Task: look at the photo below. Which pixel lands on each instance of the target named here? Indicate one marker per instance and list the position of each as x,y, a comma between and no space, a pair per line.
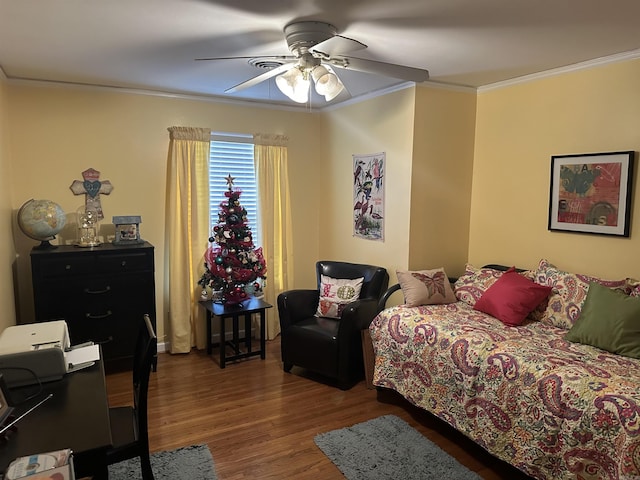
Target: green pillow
609,320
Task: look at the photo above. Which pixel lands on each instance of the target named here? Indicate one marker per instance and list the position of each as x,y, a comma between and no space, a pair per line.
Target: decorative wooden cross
92,187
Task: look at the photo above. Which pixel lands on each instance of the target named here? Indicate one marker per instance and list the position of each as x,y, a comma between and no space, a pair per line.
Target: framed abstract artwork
591,193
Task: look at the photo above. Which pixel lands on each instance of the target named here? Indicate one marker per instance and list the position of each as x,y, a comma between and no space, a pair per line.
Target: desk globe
41,220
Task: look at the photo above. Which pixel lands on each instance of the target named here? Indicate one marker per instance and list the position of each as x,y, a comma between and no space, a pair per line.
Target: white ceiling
152,44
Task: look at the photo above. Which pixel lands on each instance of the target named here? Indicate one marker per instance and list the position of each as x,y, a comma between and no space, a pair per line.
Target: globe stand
45,245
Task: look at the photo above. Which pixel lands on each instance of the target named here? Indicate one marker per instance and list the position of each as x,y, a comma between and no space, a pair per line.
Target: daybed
538,395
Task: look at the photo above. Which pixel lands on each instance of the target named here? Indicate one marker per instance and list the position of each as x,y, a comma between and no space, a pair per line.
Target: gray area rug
187,463
389,448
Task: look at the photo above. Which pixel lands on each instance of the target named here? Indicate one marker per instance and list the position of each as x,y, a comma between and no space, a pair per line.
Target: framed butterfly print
591,193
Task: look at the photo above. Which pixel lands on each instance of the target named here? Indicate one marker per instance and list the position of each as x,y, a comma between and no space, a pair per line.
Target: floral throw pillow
474,282
336,294
425,287
569,291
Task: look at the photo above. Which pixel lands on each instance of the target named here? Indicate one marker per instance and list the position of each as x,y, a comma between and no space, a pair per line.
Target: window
232,154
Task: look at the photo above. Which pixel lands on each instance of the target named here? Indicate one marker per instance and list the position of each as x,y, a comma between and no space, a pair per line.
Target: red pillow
511,298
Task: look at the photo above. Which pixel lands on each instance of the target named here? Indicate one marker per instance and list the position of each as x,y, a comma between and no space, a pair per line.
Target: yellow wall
519,128
383,124
7,251
467,176
56,133
441,179
427,134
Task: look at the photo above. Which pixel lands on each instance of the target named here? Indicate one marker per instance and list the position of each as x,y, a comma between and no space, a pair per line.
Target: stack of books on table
57,465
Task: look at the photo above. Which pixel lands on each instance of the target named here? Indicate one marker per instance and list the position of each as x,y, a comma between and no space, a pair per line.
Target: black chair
129,423
330,347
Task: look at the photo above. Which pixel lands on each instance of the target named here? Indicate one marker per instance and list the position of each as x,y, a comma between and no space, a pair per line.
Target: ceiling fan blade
337,45
273,57
402,72
261,78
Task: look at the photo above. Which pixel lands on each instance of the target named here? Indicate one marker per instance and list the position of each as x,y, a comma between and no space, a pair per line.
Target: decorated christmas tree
234,269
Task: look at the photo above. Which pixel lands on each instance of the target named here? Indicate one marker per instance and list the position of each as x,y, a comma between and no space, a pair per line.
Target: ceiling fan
315,48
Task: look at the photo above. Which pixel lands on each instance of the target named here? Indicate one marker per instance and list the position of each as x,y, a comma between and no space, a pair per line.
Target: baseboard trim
164,347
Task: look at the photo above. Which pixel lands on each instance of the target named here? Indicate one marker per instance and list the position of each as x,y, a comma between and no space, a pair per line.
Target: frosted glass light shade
294,85
327,83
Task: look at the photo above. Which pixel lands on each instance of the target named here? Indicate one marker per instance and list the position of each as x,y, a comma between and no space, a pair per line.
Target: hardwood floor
259,422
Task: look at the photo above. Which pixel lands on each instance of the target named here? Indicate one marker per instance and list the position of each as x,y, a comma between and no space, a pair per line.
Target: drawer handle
94,316
97,292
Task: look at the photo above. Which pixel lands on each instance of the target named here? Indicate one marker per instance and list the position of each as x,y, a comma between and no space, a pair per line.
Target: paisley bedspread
552,408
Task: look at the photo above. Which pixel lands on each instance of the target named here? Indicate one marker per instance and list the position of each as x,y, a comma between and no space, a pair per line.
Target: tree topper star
230,180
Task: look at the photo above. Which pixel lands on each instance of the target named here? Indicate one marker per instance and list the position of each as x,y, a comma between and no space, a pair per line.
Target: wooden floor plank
259,422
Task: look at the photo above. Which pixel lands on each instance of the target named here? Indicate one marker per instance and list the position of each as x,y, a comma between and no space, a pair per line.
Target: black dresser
102,293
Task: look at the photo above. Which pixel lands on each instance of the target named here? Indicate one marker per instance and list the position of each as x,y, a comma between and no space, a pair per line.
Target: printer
34,352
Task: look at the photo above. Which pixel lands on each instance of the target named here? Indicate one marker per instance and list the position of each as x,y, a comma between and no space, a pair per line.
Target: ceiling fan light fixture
327,83
294,85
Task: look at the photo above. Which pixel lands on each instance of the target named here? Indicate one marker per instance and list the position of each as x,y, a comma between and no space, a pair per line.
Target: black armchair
330,347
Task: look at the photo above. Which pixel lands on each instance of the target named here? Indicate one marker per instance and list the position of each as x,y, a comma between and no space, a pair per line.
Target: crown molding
207,98
597,62
152,93
621,57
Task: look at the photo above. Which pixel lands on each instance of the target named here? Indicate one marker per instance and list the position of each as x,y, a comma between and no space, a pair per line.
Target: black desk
76,417
247,308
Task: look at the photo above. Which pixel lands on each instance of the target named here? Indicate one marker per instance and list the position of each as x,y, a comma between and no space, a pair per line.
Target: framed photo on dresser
127,230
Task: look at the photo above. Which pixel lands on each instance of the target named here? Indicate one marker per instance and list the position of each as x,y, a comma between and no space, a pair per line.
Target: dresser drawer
64,266
126,262
94,296
117,333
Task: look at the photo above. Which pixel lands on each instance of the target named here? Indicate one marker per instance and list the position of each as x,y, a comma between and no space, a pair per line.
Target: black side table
246,308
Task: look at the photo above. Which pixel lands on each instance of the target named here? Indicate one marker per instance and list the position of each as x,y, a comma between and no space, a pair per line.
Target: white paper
81,357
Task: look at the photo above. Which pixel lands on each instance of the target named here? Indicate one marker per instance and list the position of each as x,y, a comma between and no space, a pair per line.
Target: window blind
232,154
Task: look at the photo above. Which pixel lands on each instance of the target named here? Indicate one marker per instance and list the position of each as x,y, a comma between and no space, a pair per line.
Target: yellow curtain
270,158
187,233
